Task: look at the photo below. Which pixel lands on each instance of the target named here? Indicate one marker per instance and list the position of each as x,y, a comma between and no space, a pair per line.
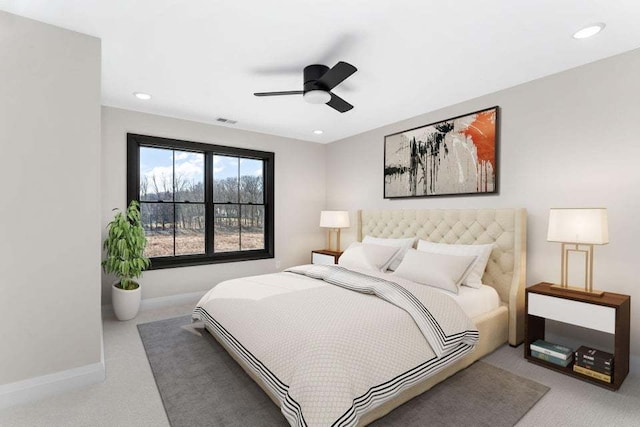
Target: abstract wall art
456,156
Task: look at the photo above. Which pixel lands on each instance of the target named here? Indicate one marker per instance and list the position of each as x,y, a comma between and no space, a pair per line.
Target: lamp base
593,292
331,248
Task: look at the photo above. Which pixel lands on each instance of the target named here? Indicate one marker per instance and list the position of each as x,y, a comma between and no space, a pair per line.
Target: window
201,203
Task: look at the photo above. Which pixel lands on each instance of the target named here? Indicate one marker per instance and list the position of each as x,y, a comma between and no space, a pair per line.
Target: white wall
567,140
50,318
299,196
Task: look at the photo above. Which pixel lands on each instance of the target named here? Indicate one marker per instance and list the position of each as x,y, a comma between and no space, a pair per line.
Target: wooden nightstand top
327,252
609,299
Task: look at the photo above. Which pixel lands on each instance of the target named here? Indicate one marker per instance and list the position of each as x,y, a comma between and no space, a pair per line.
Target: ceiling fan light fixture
317,97
319,80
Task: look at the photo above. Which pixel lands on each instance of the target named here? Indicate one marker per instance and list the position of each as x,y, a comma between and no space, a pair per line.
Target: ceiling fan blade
337,74
273,71
339,48
339,104
290,92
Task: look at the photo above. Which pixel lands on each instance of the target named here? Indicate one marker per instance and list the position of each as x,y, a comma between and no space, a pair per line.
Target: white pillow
404,244
482,252
367,256
439,270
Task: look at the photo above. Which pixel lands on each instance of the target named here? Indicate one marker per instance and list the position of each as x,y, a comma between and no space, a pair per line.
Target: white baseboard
59,382
36,388
161,302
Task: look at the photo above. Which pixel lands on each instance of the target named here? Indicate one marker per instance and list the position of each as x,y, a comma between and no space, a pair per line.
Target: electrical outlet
278,264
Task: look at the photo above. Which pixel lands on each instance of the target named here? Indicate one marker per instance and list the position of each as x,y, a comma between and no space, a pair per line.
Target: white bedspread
473,301
328,353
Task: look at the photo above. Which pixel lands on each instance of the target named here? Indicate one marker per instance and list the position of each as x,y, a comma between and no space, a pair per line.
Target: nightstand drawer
590,316
317,258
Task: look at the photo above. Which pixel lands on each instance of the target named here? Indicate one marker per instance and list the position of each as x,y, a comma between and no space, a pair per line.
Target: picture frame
452,157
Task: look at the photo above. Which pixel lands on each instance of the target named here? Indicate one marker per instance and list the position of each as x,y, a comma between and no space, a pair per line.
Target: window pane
157,220
225,179
189,229
189,176
226,229
251,181
252,225
156,174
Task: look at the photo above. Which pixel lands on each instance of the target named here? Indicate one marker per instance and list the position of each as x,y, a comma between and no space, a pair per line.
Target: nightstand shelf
325,256
609,313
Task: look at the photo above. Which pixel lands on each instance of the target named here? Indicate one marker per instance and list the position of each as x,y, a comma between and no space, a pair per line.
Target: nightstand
324,256
609,313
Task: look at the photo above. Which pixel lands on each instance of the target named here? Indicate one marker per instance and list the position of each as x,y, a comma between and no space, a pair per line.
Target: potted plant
124,245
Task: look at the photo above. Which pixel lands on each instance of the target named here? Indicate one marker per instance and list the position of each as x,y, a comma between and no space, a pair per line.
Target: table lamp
578,229
334,221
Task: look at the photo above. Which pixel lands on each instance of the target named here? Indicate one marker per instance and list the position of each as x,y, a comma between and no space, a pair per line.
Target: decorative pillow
481,252
404,244
439,270
367,256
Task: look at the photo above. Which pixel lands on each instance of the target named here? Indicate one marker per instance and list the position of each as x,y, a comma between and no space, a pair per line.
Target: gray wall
299,196
50,317
567,140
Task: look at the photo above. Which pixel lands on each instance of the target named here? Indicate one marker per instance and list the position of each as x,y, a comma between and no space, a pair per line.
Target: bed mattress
476,302
332,345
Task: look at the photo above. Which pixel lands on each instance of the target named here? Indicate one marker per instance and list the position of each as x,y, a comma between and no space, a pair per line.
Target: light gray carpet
201,385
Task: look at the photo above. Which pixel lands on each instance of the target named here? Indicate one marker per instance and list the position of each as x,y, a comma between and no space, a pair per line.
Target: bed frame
505,272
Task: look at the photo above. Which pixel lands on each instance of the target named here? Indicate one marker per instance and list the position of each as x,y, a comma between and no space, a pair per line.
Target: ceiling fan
318,82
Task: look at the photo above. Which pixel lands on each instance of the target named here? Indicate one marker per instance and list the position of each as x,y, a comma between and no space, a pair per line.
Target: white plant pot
125,303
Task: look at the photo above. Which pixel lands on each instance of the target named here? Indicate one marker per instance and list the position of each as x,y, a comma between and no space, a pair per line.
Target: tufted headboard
506,227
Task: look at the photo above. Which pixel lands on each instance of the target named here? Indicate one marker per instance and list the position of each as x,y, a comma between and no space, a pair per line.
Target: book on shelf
552,359
555,350
594,355
596,366
591,373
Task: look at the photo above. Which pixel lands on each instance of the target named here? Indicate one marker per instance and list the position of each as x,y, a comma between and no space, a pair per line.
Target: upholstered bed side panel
493,333
505,227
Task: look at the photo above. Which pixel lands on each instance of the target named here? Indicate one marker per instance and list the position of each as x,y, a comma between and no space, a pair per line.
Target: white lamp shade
334,219
579,225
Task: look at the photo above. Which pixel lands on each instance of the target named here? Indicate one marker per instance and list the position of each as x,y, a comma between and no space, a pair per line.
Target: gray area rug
201,385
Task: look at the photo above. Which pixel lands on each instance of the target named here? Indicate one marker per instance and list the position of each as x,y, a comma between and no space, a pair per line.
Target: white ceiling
203,59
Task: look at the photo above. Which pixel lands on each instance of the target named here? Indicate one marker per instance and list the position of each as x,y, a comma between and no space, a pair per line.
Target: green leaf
124,246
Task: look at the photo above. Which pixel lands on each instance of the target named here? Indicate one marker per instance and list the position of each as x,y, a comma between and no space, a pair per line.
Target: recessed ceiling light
318,132
141,95
589,31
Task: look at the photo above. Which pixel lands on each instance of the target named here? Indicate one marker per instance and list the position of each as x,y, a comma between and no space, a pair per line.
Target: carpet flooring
200,384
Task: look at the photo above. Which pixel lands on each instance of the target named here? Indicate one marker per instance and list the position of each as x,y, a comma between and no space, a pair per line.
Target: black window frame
135,141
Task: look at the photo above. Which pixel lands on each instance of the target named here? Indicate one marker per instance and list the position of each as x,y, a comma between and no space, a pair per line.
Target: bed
275,326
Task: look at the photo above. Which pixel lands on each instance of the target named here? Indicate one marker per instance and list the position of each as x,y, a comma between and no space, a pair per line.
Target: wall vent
223,120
